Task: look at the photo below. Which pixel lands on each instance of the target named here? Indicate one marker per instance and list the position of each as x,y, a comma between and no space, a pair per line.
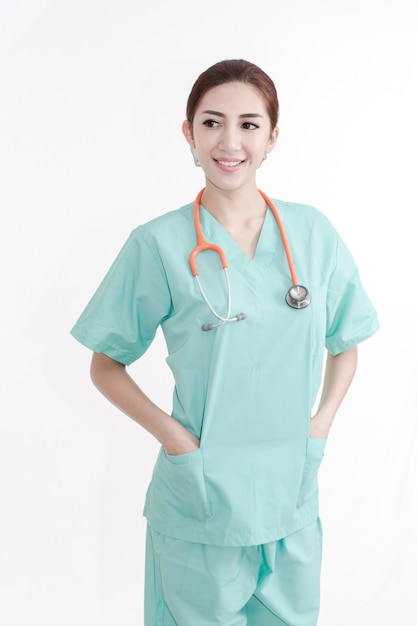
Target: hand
184,441
319,427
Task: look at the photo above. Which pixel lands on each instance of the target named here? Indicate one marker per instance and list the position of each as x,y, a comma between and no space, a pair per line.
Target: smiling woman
234,535
229,147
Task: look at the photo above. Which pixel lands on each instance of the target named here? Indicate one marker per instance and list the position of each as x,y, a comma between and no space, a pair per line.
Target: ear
187,130
272,140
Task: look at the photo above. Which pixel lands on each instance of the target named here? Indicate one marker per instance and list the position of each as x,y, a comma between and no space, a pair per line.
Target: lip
229,165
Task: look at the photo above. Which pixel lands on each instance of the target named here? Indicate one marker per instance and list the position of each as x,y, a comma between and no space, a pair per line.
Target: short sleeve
133,299
351,317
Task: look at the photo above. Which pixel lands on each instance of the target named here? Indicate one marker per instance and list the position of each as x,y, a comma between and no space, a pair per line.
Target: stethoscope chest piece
298,297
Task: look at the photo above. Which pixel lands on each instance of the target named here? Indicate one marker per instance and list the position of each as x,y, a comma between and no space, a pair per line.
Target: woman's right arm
112,380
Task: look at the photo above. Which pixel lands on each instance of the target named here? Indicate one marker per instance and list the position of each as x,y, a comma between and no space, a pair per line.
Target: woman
234,535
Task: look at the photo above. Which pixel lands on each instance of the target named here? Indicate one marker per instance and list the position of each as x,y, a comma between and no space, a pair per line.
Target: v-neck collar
253,269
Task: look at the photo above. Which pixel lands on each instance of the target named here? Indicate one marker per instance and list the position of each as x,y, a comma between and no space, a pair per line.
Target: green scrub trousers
195,584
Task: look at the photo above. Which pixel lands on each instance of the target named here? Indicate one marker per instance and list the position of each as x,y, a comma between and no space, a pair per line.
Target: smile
228,165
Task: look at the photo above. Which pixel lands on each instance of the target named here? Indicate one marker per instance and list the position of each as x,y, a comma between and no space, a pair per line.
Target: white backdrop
92,97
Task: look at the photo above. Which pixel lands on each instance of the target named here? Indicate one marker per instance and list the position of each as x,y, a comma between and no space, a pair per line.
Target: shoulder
306,212
168,225
161,233
305,220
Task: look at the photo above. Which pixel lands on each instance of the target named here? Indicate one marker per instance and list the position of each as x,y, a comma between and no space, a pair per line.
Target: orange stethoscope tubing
202,244
298,296
283,237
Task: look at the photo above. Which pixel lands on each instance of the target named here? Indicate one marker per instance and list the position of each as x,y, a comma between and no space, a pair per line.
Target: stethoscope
297,297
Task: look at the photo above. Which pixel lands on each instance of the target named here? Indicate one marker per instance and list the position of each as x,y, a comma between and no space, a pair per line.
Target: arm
112,380
340,370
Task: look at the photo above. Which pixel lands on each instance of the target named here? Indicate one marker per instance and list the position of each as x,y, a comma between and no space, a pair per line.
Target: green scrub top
245,389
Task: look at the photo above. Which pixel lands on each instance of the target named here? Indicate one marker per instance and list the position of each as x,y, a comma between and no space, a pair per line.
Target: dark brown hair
233,71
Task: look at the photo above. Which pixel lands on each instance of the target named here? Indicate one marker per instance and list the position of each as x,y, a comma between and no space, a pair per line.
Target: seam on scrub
269,610
158,591
346,345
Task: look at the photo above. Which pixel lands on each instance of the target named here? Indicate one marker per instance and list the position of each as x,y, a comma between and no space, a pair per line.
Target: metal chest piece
298,297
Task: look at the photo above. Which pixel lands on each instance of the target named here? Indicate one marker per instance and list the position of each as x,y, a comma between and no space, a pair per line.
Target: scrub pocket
178,485
309,481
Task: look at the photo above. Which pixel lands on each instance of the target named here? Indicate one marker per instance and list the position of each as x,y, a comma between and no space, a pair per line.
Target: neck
236,205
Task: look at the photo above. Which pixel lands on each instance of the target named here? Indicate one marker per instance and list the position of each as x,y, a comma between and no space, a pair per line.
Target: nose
230,139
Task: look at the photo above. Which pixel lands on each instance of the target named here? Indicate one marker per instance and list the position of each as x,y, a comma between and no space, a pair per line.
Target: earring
264,158
195,157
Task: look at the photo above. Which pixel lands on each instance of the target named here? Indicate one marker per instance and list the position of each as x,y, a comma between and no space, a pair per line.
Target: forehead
231,98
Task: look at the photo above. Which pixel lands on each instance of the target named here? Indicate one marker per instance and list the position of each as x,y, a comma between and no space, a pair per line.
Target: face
231,133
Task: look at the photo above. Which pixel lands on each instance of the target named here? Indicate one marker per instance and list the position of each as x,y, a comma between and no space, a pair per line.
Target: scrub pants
193,584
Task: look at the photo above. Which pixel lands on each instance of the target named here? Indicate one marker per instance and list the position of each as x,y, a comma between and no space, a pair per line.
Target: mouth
228,165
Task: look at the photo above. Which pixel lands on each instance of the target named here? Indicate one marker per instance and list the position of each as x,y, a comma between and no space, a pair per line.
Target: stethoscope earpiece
297,297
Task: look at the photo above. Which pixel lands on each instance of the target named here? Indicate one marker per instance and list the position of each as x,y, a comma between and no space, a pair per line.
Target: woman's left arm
340,370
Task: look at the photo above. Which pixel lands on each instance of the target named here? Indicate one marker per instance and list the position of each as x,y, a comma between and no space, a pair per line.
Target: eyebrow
219,114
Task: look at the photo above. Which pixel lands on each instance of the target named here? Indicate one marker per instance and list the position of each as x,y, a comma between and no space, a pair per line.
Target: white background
92,98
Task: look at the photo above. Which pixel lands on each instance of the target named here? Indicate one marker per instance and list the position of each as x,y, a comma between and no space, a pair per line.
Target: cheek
204,144
261,146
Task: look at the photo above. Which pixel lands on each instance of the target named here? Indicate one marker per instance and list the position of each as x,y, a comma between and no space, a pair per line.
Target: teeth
229,163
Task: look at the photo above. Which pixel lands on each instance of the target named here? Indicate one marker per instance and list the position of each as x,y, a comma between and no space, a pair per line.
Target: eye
211,123
249,126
